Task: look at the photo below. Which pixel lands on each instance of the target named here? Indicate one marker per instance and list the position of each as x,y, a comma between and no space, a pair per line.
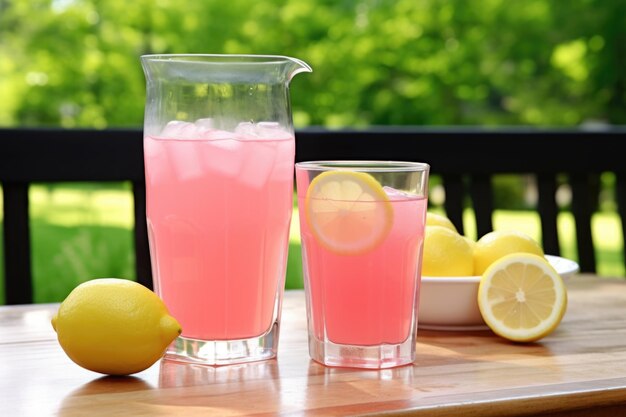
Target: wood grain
580,369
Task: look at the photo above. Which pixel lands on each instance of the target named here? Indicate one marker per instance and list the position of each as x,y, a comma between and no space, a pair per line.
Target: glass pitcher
219,160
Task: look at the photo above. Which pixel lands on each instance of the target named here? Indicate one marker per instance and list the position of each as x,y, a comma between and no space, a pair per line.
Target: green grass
83,231
63,256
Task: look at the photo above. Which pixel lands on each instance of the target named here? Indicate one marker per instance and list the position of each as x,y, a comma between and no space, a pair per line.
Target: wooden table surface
582,365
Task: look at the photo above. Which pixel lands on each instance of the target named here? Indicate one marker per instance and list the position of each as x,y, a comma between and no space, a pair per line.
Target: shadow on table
74,404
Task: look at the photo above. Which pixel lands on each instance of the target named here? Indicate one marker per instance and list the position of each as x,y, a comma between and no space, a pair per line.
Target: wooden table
579,367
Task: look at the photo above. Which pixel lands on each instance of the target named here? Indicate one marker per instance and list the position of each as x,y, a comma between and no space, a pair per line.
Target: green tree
376,62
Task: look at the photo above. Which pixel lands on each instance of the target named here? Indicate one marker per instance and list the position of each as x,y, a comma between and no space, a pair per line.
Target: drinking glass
219,158
362,229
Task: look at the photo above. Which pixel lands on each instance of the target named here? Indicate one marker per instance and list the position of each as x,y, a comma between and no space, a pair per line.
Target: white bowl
450,303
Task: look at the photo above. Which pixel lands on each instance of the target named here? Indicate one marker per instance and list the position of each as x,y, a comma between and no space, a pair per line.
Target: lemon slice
521,297
348,212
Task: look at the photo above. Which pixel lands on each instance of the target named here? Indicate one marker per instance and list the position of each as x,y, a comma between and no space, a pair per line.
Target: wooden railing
466,159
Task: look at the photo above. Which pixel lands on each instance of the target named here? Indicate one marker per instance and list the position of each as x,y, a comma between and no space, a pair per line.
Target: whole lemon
114,326
435,219
446,253
494,245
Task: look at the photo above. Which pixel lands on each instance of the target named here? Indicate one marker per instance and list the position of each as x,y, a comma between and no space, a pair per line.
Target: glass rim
363,165
218,57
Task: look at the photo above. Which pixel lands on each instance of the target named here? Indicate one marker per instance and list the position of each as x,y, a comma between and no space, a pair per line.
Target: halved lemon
348,212
521,297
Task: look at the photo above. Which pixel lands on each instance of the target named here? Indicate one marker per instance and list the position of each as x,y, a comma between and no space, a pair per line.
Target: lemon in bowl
498,243
449,302
436,219
446,253
114,326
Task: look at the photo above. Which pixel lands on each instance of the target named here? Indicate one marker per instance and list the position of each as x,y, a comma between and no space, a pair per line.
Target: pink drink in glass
362,228
367,299
219,208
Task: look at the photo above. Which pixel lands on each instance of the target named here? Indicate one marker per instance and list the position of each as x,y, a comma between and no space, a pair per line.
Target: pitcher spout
296,66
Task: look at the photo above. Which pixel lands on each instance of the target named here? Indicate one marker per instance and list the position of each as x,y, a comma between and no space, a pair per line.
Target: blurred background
488,63
75,63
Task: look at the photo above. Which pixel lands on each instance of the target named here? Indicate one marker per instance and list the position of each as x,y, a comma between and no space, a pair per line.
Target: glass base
224,352
369,357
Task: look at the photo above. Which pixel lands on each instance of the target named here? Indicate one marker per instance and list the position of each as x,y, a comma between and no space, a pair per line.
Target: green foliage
509,192
64,257
376,62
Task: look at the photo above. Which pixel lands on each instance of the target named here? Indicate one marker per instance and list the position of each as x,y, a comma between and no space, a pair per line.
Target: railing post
548,213
17,250
143,267
582,210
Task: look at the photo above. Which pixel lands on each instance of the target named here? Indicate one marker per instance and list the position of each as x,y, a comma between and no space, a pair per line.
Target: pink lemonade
368,298
219,208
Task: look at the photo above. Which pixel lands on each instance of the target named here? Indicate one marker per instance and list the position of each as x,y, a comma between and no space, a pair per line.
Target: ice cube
216,134
259,161
272,130
205,123
246,129
177,129
262,130
222,156
268,125
395,194
204,126
283,161
156,161
186,161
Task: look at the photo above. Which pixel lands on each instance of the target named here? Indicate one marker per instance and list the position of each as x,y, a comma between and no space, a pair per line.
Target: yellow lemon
521,297
348,212
494,245
114,326
446,253
435,219
470,242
